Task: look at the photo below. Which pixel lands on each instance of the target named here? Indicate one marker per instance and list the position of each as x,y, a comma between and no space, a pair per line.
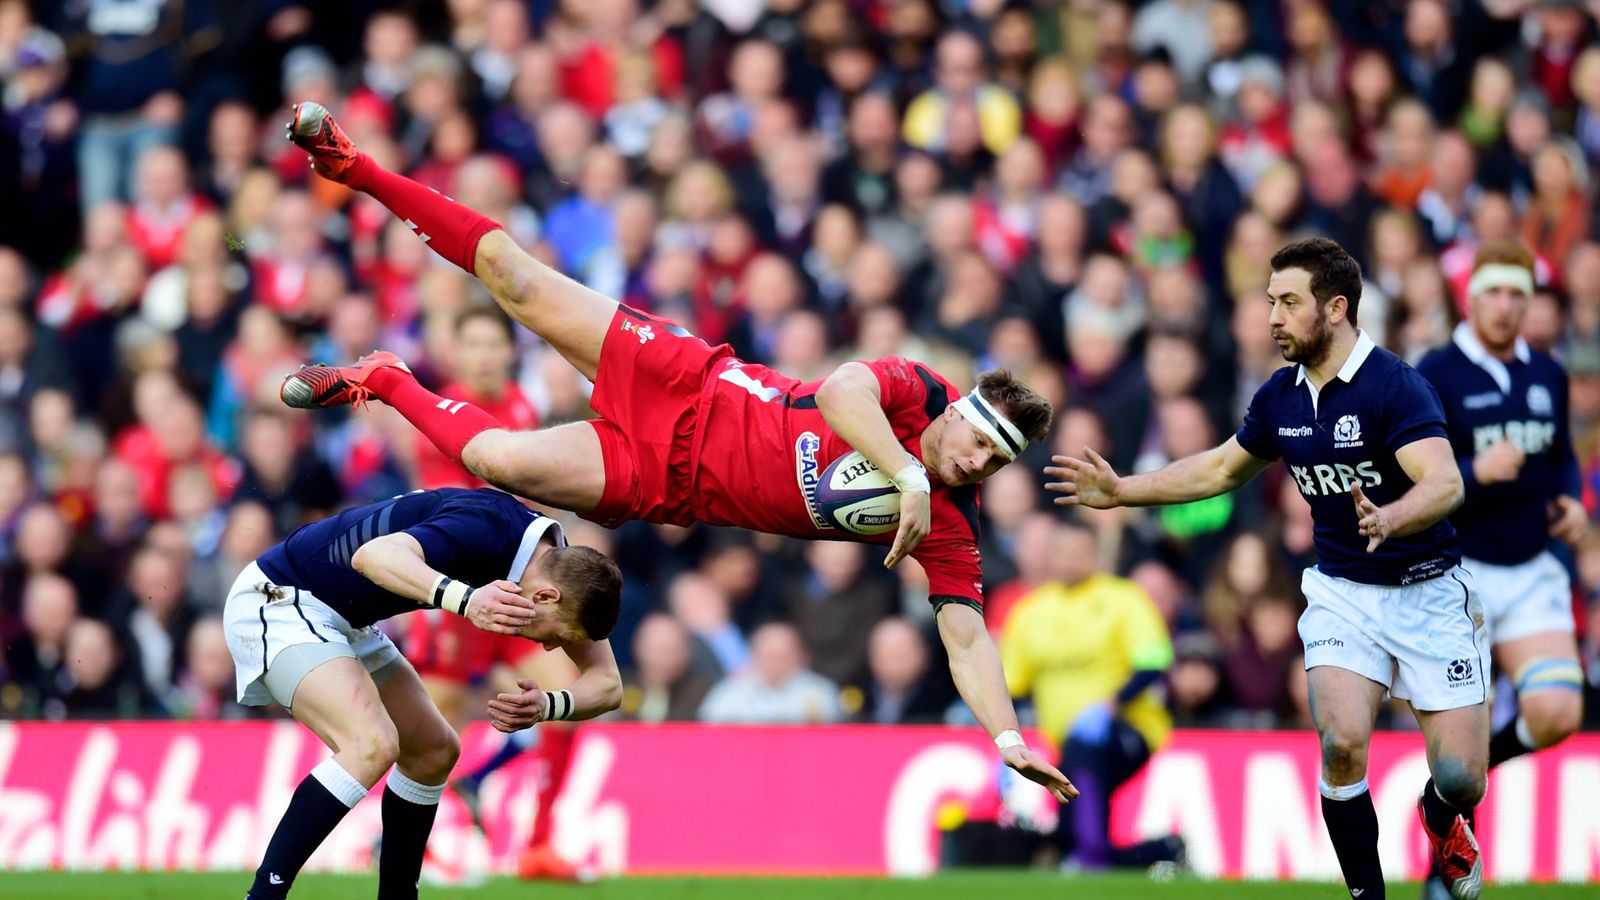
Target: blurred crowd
1084,191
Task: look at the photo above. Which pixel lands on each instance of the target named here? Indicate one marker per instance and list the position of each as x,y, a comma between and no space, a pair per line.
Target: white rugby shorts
1427,642
262,620
1525,599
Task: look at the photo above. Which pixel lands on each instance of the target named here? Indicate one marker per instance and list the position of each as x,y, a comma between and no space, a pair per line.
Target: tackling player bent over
687,433
1388,608
299,623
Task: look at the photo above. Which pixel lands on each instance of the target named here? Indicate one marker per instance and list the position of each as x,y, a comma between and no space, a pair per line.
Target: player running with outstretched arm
299,622
1389,608
687,433
1505,405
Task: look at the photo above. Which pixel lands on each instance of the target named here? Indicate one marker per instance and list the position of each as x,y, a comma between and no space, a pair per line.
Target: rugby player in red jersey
688,433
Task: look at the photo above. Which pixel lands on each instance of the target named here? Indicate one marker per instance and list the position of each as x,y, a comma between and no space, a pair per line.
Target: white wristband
558,705
1007,739
912,478
450,595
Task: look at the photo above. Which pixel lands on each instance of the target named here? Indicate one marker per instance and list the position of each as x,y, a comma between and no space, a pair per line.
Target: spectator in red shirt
163,206
485,354
606,30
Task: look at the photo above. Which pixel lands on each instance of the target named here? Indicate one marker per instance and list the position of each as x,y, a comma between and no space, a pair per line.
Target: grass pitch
960,886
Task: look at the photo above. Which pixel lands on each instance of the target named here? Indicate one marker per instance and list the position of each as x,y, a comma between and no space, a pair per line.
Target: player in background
450,654
1389,608
1505,405
300,624
687,433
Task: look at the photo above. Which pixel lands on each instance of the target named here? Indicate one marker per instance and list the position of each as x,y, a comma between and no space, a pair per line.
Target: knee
1344,755
1551,715
432,759
374,748
1460,783
492,456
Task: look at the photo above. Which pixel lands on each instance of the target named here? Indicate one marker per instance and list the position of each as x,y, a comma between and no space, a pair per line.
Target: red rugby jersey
762,444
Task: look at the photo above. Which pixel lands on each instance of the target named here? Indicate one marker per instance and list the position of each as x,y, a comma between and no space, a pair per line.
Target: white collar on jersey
1480,356
530,541
1358,355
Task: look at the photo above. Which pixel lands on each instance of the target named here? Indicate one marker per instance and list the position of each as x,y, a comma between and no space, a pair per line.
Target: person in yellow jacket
960,78
1090,649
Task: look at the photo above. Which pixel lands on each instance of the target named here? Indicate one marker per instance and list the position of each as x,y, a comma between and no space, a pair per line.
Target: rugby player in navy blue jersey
1505,405
1389,608
300,623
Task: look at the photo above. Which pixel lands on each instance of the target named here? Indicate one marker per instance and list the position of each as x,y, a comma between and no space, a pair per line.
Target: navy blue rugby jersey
475,536
1348,434
1524,400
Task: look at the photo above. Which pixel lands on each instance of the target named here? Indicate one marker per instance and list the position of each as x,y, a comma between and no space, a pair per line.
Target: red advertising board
691,798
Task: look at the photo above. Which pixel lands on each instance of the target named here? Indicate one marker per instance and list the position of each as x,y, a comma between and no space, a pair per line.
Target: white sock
339,782
1345,792
412,791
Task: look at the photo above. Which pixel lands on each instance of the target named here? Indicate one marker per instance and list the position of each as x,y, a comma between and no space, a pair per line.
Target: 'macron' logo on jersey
1321,481
809,475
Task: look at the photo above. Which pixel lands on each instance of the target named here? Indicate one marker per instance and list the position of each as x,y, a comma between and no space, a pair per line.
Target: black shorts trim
939,600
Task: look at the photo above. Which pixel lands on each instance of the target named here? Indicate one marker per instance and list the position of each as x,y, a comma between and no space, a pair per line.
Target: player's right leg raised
573,318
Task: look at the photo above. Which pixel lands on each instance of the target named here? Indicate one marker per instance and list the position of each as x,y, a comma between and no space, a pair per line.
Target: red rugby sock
553,754
452,230
450,424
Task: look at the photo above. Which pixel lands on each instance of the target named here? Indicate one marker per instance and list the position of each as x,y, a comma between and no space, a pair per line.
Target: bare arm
1092,482
1436,492
396,563
597,690
975,667
851,402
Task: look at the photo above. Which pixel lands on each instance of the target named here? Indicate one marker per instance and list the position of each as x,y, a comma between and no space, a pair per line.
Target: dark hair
1026,409
489,314
1334,272
591,582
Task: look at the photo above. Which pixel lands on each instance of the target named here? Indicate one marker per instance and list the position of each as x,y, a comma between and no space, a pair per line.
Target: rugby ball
854,496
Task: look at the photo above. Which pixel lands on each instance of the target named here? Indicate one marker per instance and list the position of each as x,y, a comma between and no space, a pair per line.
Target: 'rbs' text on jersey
1348,435
1522,400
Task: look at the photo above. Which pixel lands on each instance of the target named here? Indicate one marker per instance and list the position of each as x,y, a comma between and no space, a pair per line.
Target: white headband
1008,438
1495,275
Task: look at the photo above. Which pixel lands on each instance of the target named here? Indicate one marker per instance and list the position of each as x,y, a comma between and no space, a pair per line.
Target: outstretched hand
916,520
1087,482
1371,518
1032,766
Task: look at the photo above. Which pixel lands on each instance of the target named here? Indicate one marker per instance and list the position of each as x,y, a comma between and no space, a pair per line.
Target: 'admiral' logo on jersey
809,475
1346,432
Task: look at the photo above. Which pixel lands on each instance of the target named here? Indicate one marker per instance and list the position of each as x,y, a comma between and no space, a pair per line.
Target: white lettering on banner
1280,832
587,828
27,836
1178,800
83,795
1395,797
175,829
1514,786
1578,848
924,781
